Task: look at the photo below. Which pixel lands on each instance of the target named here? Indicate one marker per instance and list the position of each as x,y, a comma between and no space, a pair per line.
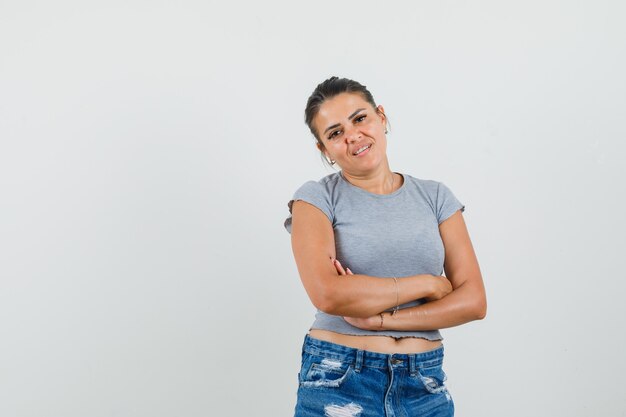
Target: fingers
368,323
445,286
441,288
340,268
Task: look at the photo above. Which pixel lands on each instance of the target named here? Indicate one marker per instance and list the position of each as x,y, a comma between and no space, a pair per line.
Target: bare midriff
382,344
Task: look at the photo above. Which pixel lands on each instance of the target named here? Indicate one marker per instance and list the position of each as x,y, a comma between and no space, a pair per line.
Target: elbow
327,308
324,301
331,302
336,307
474,305
330,305
480,309
481,314
330,298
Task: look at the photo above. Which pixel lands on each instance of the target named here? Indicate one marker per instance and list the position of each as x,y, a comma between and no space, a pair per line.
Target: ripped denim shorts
340,381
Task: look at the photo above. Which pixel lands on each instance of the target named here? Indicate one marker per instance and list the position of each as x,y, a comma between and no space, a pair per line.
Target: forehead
338,108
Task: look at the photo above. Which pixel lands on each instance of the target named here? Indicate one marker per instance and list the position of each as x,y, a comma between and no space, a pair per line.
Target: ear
381,113
322,149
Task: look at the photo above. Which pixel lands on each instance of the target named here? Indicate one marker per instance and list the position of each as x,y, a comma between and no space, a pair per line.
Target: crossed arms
457,298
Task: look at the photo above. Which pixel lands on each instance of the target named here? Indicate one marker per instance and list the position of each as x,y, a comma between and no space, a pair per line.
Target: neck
381,182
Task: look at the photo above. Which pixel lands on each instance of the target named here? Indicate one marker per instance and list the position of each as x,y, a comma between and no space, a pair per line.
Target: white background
148,151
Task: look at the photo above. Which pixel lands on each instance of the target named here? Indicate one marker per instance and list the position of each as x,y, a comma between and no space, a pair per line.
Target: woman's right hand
340,268
440,287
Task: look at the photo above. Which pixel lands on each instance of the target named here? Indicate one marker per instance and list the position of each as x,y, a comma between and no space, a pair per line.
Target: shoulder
439,196
317,193
326,185
330,181
430,186
427,187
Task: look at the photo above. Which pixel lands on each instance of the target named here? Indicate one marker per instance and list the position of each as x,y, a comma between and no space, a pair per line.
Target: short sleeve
447,203
313,193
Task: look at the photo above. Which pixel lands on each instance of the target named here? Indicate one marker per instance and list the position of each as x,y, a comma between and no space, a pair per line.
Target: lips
369,146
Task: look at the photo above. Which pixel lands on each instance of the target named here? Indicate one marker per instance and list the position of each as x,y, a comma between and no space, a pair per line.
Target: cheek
374,126
336,149
374,131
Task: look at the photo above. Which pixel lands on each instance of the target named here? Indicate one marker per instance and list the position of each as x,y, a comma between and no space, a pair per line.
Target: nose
352,134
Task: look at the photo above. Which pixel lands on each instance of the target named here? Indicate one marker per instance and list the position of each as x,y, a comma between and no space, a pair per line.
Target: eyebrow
349,118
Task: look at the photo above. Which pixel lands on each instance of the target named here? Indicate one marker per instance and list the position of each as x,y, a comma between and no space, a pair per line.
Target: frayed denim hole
433,378
320,377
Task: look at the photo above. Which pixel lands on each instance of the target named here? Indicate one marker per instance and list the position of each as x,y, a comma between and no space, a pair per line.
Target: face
345,124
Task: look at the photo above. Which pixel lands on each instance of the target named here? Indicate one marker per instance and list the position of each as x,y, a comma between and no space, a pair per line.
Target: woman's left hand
365,323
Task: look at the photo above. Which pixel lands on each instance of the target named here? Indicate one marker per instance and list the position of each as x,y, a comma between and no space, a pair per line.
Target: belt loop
359,361
412,364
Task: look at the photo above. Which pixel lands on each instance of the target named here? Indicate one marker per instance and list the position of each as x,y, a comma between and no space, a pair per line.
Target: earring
330,161
385,131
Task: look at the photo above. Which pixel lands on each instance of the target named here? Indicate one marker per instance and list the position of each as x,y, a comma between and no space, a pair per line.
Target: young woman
371,246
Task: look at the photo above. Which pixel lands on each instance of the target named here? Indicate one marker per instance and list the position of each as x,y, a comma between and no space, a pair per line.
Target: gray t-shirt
383,236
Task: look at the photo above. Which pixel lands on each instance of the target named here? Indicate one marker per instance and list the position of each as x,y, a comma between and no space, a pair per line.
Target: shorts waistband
365,358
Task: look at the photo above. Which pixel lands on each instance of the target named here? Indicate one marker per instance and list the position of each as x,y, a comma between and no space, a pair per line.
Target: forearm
466,303
363,295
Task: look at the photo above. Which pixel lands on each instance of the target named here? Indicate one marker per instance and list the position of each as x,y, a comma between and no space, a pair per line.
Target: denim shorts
340,381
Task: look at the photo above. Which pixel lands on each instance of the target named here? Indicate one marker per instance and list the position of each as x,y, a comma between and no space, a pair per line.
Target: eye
360,118
332,135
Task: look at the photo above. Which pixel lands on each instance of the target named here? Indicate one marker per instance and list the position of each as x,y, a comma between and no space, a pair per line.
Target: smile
363,150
